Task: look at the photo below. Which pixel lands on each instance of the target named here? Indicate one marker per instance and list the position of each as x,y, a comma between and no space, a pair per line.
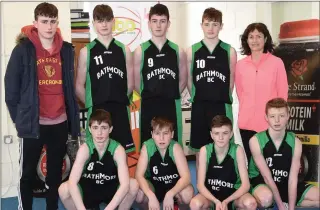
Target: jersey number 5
98,59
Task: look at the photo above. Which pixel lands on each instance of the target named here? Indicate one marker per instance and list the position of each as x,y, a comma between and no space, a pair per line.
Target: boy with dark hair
160,75
40,97
211,64
275,163
100,172
105,76
162,170
222,174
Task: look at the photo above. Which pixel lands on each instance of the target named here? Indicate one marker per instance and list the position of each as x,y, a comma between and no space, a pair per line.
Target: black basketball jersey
160,71
222,179
106,79
101,173
278,160
162,172
211,73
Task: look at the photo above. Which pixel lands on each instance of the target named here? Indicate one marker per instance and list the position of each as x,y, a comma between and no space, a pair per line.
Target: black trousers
246,136
55,138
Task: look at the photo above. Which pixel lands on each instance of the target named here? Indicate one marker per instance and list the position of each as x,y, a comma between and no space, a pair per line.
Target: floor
39,203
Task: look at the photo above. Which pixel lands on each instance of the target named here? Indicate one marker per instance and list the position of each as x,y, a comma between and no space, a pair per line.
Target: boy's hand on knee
224,205
168,201
219,205
154,203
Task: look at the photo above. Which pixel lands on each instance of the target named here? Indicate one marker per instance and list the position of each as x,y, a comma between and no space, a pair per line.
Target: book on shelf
80,20
80,28
77,15
79,24
80,35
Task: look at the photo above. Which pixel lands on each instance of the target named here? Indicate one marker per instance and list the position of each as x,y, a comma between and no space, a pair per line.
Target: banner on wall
299,50
131,22
39,188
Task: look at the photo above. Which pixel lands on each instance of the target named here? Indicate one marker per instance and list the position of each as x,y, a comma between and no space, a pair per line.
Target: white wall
11,23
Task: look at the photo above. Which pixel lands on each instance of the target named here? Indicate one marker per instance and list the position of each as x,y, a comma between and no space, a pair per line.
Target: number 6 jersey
162,172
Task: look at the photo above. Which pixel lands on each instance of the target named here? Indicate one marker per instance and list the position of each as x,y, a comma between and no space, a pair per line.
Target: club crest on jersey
49,70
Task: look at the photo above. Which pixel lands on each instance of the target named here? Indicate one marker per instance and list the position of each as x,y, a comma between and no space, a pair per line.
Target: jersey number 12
269,161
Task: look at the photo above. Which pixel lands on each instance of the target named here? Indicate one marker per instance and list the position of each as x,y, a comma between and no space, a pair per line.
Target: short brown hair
212,14
100,116
45,9
276,103
102,12
262,28
221,120
159,9
161,122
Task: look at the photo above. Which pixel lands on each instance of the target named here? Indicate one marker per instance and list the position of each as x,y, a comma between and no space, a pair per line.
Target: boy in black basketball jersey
275,163
105,76
211,64
160,75
222,175
100,172
162,170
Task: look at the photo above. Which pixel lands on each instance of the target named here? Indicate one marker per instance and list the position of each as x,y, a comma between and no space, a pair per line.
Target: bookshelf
80,35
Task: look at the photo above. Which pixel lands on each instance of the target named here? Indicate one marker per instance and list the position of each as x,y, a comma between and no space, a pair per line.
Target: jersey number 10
201,64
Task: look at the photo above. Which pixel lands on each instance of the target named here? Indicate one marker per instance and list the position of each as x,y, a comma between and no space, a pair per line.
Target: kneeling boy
100,172
162,170
223,180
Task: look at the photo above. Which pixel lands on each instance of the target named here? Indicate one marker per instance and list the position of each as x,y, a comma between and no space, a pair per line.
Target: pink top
256,84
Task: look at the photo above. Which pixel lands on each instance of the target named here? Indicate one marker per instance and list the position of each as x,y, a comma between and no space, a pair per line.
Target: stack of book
79,24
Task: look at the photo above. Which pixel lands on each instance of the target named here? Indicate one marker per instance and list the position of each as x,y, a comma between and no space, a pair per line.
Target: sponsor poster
299,50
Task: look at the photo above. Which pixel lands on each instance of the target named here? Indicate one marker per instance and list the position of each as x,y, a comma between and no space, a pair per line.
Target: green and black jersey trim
88,91
233,148
144,46
152,148
88,96
178,101
195,47
263,139
110,147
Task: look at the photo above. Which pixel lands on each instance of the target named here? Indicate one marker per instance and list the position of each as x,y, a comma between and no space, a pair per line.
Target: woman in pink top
259,77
